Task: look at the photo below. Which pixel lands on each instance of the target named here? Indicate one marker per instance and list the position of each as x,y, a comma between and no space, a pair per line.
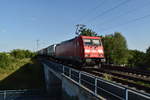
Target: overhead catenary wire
121,24
117,17
108,10
128,22
91,11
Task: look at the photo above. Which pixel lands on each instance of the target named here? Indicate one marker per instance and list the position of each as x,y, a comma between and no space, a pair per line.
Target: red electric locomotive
82,49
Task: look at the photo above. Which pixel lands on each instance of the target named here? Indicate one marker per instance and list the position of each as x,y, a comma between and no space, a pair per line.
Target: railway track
134,77
132,71
130,81
135,80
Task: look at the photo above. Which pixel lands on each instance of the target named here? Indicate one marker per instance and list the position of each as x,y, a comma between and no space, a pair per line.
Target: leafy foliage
147,57
87,32
22,74
107,76
115,47
17,53
6,59
136,58
139,59
116,50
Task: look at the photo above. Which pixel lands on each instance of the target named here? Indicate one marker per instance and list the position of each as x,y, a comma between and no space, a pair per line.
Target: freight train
81,49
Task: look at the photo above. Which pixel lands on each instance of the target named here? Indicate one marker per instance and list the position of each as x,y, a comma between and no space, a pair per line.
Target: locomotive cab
93,49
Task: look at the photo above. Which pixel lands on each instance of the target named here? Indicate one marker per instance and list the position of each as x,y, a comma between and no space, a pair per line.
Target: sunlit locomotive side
81,49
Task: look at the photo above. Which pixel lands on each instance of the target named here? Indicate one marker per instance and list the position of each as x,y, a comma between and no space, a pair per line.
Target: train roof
85,37
90,37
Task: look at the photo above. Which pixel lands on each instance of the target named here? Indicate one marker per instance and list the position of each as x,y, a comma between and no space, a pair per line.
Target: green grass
107,76
148,69
134,82
22,74
142,83
15,65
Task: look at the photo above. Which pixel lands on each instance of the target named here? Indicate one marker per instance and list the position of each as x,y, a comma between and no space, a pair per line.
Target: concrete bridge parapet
69,84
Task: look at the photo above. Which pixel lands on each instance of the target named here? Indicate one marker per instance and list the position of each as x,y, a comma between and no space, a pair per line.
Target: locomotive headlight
87,50
87,55
100,51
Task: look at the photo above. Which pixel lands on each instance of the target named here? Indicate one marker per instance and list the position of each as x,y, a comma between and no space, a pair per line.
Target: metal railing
99,86
18,94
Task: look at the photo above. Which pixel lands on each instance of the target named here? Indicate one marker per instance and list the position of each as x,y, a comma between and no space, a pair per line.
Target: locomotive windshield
87,41
96,42
92,42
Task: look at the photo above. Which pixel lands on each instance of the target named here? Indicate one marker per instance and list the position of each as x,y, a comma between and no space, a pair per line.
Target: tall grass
11,61
7,59
12,67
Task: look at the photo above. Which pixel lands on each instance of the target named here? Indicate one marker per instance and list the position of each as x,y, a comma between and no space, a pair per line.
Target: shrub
18,53
5,60
107,76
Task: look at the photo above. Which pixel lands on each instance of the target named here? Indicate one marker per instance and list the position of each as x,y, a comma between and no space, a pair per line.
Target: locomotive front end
93,49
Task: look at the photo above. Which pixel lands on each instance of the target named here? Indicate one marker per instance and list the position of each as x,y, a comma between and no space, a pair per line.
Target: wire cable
130,21
91,11
109,10
126,13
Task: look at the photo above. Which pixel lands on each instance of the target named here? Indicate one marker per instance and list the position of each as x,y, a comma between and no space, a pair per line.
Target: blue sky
22,22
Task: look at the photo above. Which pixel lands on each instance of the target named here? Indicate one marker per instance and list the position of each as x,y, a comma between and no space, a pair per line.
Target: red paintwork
75,48
90,37
93,50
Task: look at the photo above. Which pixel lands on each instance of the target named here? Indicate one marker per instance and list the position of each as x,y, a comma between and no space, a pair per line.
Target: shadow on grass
28,76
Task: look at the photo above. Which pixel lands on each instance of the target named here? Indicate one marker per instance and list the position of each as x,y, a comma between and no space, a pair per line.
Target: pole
37,44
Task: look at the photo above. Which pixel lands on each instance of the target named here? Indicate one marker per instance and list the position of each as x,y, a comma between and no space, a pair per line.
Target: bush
107,76
5,60
18,53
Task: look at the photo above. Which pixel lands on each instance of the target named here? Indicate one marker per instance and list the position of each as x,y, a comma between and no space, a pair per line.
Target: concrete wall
53,84
72,91
64,88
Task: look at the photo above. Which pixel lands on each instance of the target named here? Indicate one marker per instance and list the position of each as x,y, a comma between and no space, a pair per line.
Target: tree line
117,52
6,58
115,49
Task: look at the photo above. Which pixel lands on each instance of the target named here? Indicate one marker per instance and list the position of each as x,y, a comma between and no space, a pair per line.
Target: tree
87,32
108,46
5,60
18,53
147,57
136,58
115,47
